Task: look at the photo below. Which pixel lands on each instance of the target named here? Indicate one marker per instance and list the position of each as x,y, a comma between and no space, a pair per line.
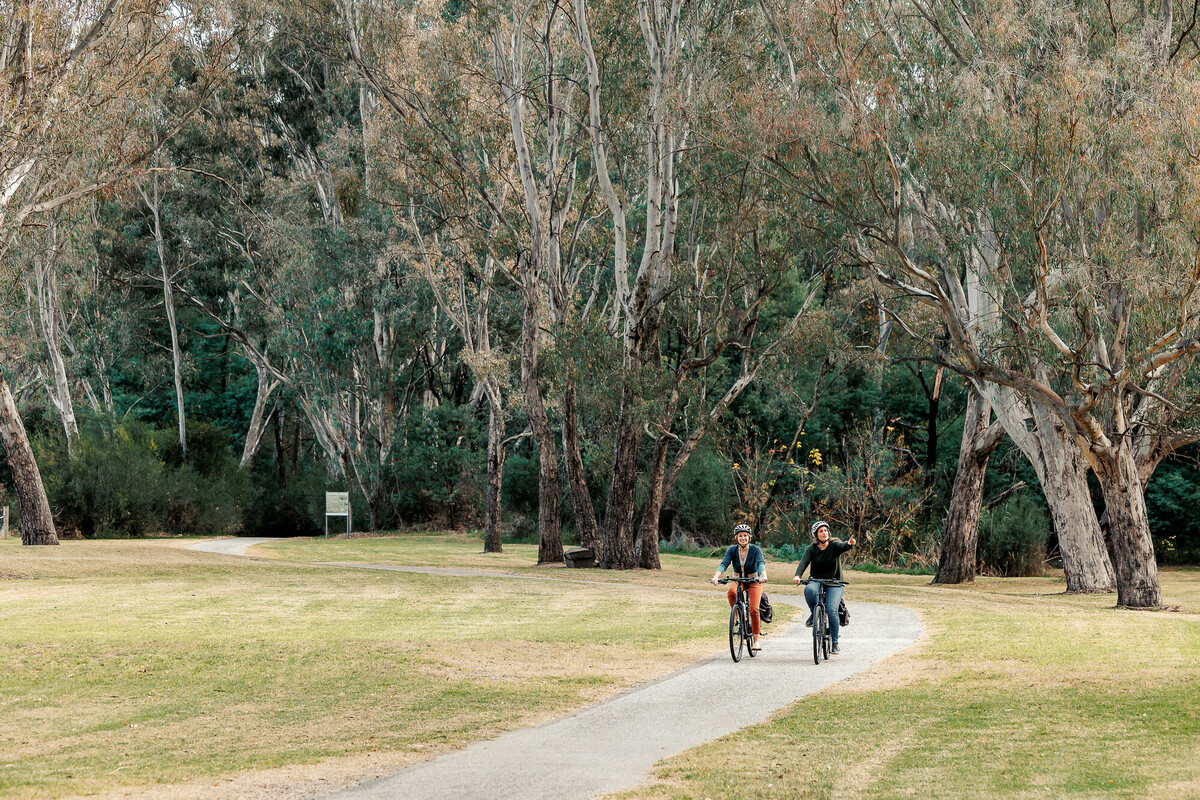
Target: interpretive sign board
337,504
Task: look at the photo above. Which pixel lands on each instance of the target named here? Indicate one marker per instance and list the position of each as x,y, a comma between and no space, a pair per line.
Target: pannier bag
766,612
843,614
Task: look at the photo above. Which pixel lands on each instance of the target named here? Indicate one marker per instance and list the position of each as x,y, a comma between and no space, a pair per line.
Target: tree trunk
550,550
50,315
495,476
169,308
655,496
1063,475
267,383
581,498
617,551
37,523
961,538
1129,529
1062,472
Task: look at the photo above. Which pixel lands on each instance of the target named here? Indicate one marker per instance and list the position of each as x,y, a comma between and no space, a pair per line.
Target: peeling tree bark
50,316
37,523
1062,473
959,556
1129,528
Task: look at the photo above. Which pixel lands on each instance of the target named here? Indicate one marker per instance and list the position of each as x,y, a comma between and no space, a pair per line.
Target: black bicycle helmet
816,526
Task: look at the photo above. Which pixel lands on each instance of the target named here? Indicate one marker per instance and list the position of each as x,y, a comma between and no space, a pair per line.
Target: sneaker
835,650
808,622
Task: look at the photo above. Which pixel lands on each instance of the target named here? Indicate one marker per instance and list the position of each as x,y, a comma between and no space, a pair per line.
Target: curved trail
613,745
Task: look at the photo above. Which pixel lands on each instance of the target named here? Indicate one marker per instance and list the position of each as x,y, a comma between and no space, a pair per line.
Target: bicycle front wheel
748,631
818,632
736,641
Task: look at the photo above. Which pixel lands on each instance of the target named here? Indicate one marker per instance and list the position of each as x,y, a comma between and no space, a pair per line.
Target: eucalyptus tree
73,75
1024,173
703,260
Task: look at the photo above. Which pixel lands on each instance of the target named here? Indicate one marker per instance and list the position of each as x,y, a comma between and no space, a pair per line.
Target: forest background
587,272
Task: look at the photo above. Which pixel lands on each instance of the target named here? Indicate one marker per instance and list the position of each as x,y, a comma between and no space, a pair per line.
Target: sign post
337,504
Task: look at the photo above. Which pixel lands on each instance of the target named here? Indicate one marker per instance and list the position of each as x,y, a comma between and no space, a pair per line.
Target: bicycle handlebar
826,582
740,580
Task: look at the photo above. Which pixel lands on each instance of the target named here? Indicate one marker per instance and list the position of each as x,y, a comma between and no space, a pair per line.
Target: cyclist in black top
823,559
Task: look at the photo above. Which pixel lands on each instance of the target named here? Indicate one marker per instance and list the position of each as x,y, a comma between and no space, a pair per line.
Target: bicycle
822,638
741,634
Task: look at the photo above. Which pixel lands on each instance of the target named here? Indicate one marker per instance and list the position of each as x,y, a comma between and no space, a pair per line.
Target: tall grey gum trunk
37,523
550,550
581,498
618,549
169,307
961,537
50,316
1129,528
1062,472
267,383
495,476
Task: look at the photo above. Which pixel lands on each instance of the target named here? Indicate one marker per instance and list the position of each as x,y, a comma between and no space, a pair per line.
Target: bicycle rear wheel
736,640
818,632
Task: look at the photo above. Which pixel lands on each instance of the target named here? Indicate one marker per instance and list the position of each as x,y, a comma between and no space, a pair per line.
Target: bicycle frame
822,638
741,636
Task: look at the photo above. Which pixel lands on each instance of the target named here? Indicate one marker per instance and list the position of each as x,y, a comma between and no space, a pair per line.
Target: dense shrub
1172,497
705,497
437,469
1012,538
126,479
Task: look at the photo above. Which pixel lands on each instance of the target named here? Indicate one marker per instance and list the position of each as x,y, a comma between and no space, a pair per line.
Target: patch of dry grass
133,663
1017,690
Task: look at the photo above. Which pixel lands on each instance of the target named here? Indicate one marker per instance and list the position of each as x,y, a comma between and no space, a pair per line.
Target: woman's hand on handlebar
713,580
796,580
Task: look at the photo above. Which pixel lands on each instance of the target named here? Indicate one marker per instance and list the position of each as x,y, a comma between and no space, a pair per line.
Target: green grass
1017,692
131,663
134,663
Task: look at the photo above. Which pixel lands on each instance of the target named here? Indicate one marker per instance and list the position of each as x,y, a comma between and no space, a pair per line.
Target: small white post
4,525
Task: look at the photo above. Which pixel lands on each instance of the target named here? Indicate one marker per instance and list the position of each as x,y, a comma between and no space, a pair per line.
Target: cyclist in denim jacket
747,561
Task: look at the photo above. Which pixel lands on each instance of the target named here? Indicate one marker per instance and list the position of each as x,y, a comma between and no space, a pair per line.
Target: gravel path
230,547
613,745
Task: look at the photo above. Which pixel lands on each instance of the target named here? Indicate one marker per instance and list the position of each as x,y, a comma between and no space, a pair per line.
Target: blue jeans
833,598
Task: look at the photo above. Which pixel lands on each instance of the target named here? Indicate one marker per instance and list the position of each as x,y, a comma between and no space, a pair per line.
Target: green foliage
1012,538
436,472
705,496
1172,497
126,480
877,495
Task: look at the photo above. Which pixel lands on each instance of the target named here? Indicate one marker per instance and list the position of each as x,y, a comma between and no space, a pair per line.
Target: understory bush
1172,497
1012,538
437,470
128,479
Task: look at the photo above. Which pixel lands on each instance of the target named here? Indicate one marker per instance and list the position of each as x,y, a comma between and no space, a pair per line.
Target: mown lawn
131,663
1018,691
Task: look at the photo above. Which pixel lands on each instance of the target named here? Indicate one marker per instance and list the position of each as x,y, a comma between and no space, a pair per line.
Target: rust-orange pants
755,592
